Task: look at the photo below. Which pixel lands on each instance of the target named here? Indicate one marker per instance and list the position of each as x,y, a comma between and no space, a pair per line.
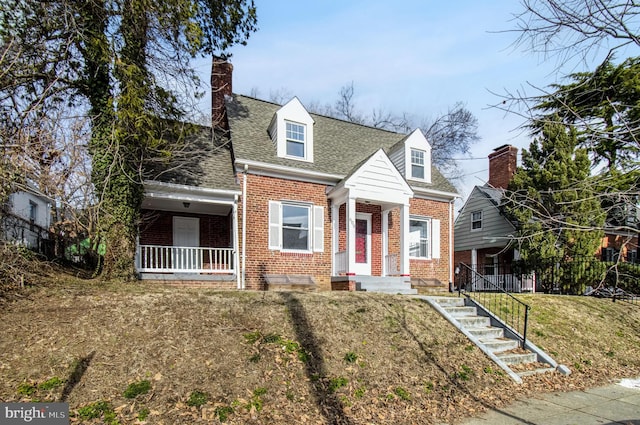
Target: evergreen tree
552,200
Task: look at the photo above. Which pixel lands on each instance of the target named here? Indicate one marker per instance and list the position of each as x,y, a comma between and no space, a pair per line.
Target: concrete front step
473,321
461,311
499,345
536,371
517,358
387,285
449,301
486,332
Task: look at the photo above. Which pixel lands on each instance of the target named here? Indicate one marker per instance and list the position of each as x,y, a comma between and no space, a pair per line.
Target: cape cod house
283,195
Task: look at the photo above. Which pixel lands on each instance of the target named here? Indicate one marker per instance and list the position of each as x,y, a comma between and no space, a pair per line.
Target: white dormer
413,157
291,131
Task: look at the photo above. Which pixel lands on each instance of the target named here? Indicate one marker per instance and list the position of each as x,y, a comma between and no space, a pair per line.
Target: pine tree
552,200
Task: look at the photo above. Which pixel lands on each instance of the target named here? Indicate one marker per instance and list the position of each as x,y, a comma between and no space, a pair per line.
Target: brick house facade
285,194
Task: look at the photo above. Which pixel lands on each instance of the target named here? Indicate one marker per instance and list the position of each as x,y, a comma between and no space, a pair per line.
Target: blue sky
417,57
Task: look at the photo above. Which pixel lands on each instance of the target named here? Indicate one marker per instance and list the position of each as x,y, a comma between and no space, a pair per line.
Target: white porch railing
184,259
341,261
508,282
392,264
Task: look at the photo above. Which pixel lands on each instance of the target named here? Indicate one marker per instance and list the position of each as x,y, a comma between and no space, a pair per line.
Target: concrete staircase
492,340
386,284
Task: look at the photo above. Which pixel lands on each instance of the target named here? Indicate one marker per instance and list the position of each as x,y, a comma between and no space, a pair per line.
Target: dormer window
417,164
291,131
412,157
295,140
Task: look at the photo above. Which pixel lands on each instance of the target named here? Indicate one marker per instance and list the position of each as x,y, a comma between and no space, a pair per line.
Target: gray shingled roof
339,146
202,163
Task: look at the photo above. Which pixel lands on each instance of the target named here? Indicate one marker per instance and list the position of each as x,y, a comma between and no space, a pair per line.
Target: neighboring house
280,194
27,219
484,236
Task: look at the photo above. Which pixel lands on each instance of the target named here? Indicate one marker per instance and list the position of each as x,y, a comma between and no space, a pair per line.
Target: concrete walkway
613,404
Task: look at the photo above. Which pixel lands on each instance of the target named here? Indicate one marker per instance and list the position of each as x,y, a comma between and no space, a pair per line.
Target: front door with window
363,244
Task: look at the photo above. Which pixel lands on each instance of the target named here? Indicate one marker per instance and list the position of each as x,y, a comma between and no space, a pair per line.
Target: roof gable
376,179
417,141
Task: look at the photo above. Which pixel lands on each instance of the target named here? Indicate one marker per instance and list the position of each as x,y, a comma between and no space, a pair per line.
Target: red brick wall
260,260
502,166
439,268
157,229
425,269
617,242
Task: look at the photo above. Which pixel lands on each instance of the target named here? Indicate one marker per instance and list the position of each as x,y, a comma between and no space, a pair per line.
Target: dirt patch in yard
161,355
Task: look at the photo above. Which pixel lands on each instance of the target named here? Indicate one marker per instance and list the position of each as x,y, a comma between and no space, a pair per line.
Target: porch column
335,235
404,240
385,241
236,246
351,235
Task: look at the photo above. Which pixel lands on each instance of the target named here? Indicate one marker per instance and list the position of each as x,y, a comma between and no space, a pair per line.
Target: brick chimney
221,76
502,166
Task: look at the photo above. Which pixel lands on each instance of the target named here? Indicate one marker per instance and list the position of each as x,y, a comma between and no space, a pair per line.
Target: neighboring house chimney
221,75
502,166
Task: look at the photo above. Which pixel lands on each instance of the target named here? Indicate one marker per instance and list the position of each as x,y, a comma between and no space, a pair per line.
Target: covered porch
370,224
188,234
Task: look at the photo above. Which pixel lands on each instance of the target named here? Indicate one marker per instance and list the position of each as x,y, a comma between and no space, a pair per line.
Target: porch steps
386,285
504,351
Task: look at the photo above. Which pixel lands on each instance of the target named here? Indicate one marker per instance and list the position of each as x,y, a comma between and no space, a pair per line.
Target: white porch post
335,235
236,245
351,234
404,240
474,259
385,241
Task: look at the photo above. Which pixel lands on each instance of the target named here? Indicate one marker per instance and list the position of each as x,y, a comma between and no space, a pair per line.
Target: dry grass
250,357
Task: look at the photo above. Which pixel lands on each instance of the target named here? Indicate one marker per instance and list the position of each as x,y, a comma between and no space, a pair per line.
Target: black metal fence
578,276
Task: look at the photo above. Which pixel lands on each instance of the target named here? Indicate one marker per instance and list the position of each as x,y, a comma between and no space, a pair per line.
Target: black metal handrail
495,299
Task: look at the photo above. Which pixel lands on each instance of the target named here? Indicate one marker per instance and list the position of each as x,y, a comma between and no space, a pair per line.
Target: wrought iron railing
499,303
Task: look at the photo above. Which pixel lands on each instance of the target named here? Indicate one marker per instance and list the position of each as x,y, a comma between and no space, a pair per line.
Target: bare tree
571,29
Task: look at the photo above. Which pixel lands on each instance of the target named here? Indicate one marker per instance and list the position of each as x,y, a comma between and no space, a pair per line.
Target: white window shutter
435,239
275,225
318,229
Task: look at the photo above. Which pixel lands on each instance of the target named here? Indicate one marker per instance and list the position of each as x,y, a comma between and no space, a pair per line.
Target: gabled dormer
291,131
412,156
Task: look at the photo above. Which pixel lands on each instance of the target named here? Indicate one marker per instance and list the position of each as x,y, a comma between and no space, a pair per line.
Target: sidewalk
613,404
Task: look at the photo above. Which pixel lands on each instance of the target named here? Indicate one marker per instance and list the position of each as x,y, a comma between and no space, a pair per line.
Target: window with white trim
296,142
417,164
419,237
476,220
296,227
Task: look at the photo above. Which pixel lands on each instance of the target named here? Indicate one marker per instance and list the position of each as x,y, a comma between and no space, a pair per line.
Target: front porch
188,235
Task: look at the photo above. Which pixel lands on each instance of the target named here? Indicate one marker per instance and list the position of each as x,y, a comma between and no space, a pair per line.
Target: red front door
361,241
